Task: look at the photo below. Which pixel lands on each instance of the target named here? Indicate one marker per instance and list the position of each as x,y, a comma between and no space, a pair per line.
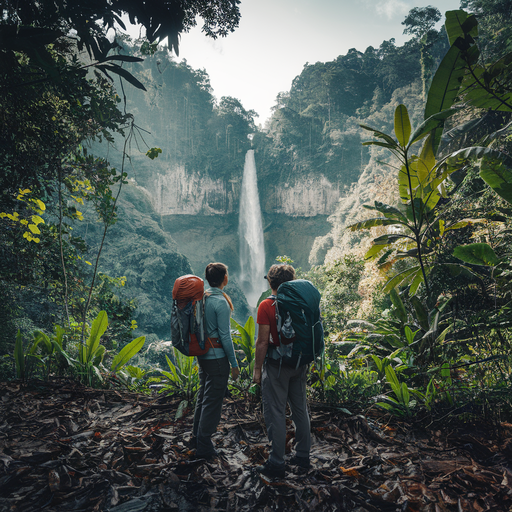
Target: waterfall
250,228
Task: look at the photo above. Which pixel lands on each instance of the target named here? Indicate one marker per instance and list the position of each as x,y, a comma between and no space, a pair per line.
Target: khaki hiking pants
281,385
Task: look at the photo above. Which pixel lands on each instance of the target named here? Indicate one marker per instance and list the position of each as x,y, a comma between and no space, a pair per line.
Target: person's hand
235,373
256,378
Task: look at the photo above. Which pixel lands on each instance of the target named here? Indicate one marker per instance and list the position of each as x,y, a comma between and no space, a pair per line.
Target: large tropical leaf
408,181
127,353
400,277
380,135
98,328
391,212
431,123
400,310
371,223
402,125
498,176
459,23
246,340
416,282
250,327
118,70
476,254
421,312
444,89
374,250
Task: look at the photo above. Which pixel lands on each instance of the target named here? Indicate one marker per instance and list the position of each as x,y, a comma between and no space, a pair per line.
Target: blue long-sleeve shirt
218,313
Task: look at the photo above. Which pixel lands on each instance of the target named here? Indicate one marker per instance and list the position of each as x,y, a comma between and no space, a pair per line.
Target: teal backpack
301,335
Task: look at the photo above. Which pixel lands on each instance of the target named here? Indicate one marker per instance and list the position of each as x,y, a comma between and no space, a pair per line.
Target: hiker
280,384
214,365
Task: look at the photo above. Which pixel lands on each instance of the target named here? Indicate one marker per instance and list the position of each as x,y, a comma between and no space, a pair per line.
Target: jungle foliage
58,95
430,334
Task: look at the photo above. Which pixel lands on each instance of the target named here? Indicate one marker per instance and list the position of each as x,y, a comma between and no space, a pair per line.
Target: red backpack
188,325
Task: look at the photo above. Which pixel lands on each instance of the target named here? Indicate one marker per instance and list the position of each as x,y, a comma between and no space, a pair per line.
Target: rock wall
180,192
309,197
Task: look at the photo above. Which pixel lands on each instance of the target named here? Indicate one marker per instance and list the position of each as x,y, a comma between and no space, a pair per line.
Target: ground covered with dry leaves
67,447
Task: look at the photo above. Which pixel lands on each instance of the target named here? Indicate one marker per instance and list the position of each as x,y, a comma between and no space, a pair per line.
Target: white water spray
250,228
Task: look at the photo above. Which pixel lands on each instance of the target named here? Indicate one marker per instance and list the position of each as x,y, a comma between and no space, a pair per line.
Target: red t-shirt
267,316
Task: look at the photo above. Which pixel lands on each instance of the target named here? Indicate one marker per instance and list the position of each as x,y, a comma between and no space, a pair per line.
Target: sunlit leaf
459,23
127,353
402,125
476,254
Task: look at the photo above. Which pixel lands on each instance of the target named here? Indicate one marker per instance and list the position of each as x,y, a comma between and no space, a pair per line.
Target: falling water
252,249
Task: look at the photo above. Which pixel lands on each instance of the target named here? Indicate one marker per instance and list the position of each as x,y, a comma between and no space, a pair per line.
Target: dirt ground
66,447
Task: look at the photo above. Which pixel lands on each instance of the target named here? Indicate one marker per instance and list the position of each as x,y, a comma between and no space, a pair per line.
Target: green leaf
127,353
123,58
71,362
390,212
399,305
118,70
498,176
41,336
378,362
153,153
402,125
399,278
173,377
421,312
393,381
98,355
246,340
405,394
476,254
250,327
381,135
374,250
459,23
98,328
371,223
416,282
444,89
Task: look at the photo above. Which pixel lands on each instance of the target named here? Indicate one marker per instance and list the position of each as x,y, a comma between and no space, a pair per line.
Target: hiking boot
302,462
207,455
271,470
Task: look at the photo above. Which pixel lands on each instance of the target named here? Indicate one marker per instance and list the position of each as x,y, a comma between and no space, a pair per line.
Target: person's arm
260,351
223,328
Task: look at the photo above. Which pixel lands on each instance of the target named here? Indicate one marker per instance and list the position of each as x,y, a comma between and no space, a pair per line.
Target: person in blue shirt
214,365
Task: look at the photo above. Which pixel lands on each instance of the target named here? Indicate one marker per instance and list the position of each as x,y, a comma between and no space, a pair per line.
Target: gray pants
289,387
213,376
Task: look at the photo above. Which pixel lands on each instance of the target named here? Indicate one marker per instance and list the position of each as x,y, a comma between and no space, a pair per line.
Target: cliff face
309,197
176,191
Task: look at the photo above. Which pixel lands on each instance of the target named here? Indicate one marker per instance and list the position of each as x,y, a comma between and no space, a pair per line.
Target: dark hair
215,273
279,274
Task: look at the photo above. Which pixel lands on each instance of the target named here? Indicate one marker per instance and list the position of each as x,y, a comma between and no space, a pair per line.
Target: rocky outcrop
179,192
308,197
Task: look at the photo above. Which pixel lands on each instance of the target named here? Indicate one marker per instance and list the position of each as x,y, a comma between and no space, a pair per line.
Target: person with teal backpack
290,336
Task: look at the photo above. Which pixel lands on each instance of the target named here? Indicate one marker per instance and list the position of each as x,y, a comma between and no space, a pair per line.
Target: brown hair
279,274
214,274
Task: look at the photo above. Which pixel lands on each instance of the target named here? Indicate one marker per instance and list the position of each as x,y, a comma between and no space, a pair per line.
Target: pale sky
276,38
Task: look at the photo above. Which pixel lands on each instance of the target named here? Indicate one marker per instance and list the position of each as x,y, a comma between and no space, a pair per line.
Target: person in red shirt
280,384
